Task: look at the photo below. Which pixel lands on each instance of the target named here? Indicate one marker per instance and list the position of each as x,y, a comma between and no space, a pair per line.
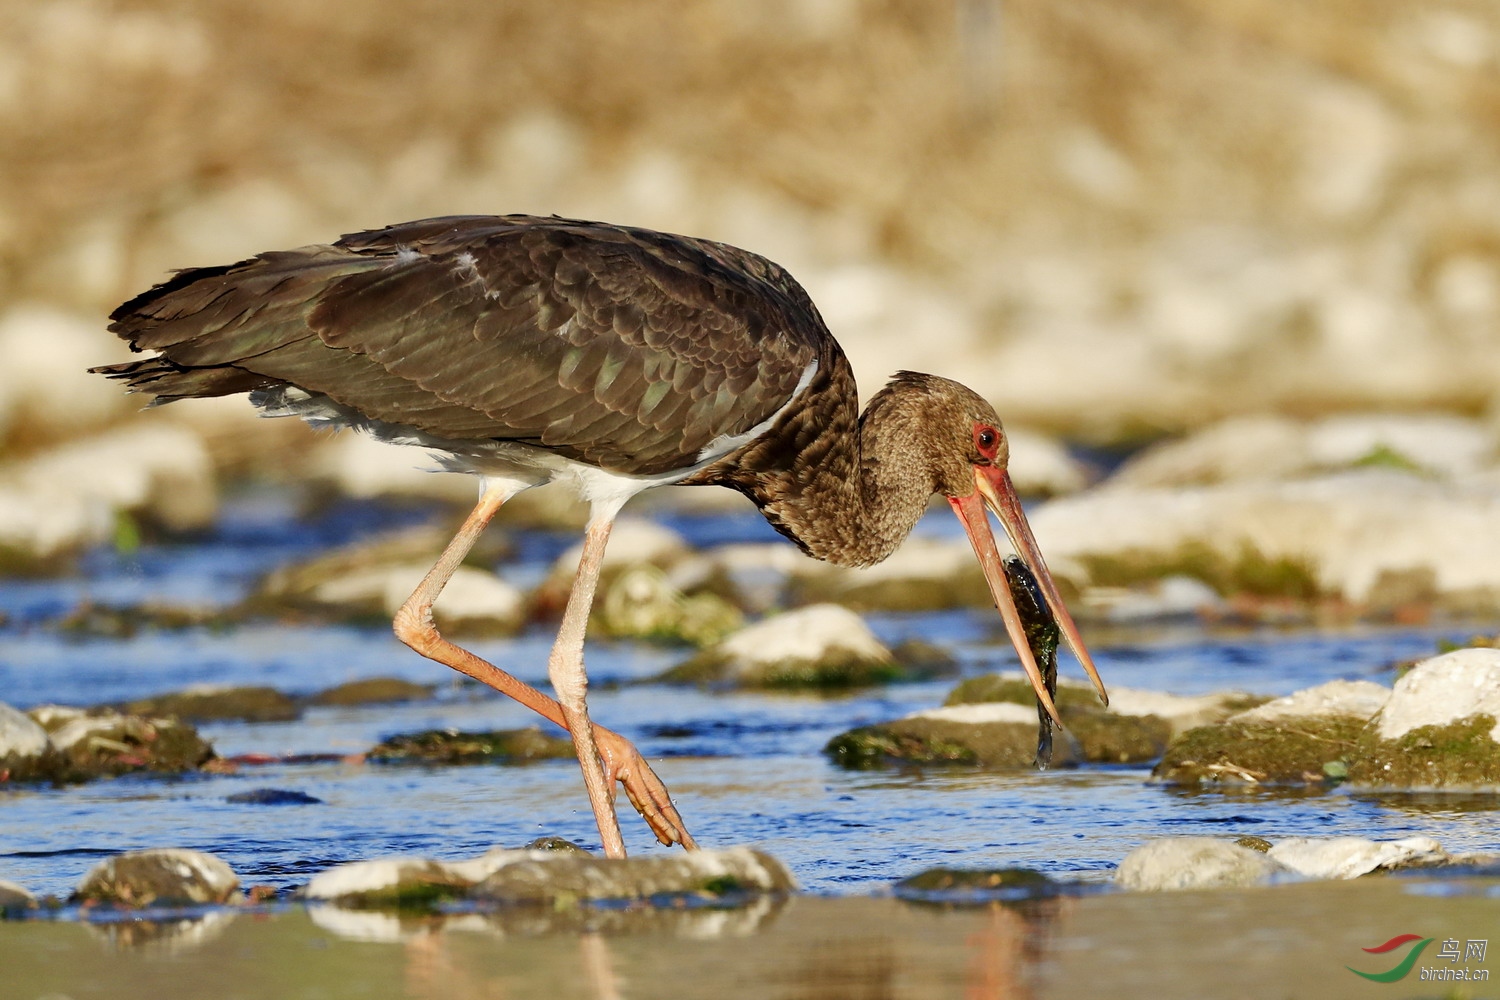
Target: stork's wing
625,348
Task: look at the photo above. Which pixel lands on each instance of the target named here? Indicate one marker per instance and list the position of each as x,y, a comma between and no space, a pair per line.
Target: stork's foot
624,763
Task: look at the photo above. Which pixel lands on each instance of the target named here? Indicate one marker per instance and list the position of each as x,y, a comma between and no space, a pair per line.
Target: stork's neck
846,488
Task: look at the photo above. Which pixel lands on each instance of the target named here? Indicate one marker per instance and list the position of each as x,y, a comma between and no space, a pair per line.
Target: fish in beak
994,491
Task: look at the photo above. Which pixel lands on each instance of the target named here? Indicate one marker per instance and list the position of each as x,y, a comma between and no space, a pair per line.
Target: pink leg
612,755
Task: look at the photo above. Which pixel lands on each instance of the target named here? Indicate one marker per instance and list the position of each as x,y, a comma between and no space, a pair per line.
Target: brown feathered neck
849,487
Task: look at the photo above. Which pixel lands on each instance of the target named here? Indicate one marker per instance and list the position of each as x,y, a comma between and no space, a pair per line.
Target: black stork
527,350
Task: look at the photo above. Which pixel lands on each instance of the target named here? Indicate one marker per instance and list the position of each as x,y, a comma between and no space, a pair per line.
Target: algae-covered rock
159,877
1458,755
1285,751
390,883
997,735
449,746
550,876
565,878
973,885
216,703
1443,690
641,603
823,646
372,691
1100,735
101,743
1174,863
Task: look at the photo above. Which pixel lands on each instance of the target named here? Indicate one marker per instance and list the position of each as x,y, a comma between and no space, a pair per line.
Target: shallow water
744,768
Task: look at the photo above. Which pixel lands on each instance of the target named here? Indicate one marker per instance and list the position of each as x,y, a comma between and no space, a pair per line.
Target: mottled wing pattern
625,348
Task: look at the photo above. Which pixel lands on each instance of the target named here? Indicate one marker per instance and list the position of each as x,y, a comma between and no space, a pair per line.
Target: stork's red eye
986,439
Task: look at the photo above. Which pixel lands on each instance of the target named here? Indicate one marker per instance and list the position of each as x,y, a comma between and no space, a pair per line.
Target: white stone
1258,448
377,875
45,377
193,867
1196,863
359,465
1359,699
1444,689
67,497
980,713
1040,463
807,634
632,540
20,736
1169,597
1351,857
1350,526
1181,712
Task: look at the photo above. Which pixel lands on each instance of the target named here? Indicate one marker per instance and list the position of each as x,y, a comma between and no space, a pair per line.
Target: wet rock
641,603
566,878
449,746
759,573
1288,750
1350,699
15,900
101,743
215,703
273,797
973,885
369,581
554,844
1351,857
159,877
1443,690
823,646
373,691
1196,863
23,745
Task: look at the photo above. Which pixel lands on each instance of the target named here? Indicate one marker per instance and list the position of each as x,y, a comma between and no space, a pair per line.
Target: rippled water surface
744,768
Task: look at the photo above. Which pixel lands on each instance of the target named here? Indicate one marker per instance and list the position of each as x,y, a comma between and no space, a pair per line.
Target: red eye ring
986,439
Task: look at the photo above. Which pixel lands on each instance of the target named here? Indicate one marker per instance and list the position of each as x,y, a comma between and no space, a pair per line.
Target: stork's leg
620,759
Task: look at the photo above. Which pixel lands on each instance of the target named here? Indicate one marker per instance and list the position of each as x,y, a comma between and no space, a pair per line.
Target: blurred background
1119,219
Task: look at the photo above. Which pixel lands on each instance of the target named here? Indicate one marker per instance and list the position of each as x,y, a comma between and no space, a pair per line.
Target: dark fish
1042,635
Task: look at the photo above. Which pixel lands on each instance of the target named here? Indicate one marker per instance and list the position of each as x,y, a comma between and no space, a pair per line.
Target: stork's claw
623,762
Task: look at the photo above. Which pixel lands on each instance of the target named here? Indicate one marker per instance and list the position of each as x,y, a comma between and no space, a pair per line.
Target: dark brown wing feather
626,348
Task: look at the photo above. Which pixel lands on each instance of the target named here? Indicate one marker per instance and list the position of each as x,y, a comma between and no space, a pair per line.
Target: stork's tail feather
168,382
